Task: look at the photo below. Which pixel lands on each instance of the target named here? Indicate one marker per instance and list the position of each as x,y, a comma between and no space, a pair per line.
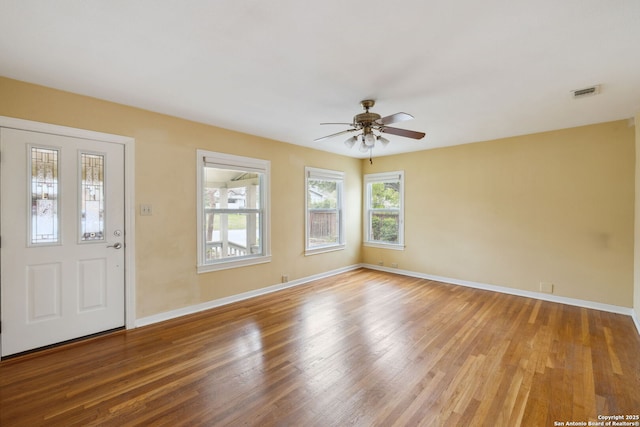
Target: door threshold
28,354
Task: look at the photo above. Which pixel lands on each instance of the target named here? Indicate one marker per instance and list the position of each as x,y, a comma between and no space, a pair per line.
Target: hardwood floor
361,348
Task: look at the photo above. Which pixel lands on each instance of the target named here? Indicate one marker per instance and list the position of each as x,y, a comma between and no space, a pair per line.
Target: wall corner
636,254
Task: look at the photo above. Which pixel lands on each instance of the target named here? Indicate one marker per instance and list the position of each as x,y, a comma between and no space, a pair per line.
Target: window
384,210
92,199
233,211
324,216
44,164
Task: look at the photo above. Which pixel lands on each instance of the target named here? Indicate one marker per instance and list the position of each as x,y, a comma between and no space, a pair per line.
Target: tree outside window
384,209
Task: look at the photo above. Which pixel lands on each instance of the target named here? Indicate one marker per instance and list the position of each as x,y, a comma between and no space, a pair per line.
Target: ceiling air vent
587,91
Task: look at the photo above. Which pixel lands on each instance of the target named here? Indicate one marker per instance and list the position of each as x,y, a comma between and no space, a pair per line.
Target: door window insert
92,209
44,166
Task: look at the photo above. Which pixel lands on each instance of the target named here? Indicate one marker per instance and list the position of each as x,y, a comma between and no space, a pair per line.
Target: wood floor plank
360,348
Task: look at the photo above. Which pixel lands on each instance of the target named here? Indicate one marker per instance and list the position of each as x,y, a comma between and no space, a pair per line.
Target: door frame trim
129,195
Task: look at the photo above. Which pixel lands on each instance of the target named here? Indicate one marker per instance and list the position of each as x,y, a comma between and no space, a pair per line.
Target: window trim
211,158
330,175
383,177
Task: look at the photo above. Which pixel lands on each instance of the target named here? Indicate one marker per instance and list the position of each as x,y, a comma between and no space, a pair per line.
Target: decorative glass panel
92,197
44,196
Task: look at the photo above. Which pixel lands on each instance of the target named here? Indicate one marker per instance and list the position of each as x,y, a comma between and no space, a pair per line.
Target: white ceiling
467,70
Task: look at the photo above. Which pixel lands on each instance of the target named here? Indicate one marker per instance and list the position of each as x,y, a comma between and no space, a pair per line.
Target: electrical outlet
394,265
146,210
546,287
285,278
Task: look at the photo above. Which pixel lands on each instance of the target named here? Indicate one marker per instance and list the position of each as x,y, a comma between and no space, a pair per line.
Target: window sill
324,249
225,265
392,246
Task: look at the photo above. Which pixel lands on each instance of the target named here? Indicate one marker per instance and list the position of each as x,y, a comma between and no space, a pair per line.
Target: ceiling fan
371,125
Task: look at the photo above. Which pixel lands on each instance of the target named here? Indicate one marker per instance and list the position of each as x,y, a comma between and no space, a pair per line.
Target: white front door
62,238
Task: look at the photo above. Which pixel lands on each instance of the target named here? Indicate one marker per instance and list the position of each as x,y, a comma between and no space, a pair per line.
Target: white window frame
376,178
223,160
329,175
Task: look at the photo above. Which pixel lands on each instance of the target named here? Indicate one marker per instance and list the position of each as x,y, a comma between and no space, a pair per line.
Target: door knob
115,245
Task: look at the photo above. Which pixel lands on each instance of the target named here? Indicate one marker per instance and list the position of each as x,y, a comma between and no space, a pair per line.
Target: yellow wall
166,178
555,207
636,285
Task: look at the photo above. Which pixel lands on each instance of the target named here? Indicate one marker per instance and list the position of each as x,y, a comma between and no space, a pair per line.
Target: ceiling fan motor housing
365,118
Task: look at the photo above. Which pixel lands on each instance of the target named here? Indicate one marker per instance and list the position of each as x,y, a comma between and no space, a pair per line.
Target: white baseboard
512,291
167,315
160,317
634,316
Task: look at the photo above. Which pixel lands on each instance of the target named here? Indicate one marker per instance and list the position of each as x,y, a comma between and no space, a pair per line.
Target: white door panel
62,214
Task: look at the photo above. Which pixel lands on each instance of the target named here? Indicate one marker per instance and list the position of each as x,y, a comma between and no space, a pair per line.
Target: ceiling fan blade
394,118
345,124
403,132
333,134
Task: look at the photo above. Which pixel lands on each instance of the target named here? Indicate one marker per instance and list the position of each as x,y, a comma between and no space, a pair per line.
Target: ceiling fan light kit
369,122
351,141
384,141
369,138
